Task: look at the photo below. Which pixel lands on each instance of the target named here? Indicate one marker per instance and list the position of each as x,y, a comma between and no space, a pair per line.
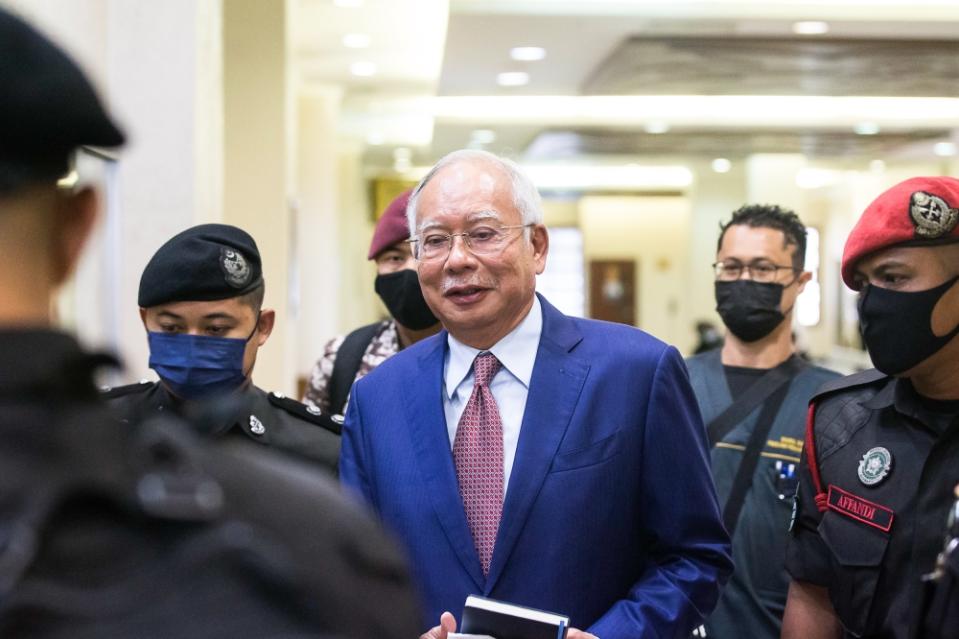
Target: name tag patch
860,509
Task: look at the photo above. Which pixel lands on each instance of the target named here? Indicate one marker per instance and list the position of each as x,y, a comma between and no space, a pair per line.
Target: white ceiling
437,63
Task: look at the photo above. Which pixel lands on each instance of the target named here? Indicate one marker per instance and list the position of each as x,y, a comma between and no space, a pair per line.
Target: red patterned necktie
478,454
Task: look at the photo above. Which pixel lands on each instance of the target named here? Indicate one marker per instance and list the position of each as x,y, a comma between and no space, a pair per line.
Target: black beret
203,263
47,107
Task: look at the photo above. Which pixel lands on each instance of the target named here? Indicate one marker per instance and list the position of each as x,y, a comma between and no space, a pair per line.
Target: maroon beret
921,210
392,226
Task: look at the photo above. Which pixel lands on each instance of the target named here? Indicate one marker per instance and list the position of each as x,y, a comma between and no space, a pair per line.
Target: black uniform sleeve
807,557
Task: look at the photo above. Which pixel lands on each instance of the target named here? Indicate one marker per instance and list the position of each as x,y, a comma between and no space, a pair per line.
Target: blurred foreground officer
551,461
753,395
882,450
348,358
114,530
201,298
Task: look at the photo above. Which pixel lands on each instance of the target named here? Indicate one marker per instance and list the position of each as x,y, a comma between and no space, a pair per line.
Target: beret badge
236,270
931,215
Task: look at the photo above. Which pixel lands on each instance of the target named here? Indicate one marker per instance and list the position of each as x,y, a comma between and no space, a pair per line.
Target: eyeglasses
482,240
759,271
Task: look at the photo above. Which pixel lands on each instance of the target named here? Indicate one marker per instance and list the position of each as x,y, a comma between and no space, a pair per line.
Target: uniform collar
221,415
900,394
516,351
886,396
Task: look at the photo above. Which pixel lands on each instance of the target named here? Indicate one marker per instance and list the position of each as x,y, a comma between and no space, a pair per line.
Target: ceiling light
877,166
483,136
866,128
527,54
944,149
722,165
810,27
375,138
363,69
512,79
402,153
356,40
350,4
656,127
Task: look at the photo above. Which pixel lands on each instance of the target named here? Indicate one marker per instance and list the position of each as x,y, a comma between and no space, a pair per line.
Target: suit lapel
434,457
555,387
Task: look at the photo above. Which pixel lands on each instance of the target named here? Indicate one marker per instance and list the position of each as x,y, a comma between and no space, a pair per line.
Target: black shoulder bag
769,390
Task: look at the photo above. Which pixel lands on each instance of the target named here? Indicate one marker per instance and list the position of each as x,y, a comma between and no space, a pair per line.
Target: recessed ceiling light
375,138
722,165
350,4
356,40
363,69
810,27
527,54
483,136
866,128
512,79
944,149
656,127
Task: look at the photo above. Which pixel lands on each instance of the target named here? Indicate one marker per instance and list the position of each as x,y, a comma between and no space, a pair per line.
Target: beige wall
652,230
257,162
158,71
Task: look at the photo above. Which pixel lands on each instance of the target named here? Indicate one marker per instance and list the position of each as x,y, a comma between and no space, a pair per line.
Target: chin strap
821,497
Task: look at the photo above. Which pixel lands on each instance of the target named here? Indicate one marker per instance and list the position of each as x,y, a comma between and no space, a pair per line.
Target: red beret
392,226
921,210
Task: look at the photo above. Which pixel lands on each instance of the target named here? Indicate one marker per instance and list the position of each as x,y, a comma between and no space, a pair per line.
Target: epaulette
863,378
308,413
107,392
857,380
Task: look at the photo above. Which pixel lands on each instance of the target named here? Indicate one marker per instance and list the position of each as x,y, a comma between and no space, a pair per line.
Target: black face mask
897,326
403,297
750,310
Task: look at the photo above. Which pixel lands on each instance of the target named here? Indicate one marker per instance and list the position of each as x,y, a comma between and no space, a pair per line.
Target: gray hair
526,198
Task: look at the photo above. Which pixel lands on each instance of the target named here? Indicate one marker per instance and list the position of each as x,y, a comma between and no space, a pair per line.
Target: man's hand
573,633
447,625
809,613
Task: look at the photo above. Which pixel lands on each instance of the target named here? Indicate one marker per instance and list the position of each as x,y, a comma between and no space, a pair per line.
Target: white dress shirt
510,387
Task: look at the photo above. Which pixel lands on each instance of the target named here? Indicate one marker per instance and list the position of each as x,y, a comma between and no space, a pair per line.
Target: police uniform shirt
267,418
888,461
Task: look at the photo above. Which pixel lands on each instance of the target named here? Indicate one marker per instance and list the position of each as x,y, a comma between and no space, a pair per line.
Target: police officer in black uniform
200,300
141,530
881,452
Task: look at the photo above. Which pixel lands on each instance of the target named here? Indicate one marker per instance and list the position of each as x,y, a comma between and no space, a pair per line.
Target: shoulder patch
865,378
306,413
122,391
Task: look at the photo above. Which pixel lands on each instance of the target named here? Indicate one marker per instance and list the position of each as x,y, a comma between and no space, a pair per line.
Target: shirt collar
885,398
516,352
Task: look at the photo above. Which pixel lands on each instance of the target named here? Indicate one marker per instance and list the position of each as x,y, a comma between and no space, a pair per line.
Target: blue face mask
198,366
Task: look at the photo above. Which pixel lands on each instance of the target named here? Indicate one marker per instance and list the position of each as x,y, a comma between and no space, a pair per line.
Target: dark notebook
507,621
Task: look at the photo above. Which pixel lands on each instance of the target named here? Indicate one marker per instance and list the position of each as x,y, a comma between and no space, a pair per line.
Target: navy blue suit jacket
610,514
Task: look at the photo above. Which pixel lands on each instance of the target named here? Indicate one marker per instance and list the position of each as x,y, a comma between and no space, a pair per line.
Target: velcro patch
860,509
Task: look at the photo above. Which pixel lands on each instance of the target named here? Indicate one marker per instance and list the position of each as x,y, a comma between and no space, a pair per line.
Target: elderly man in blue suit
527,456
